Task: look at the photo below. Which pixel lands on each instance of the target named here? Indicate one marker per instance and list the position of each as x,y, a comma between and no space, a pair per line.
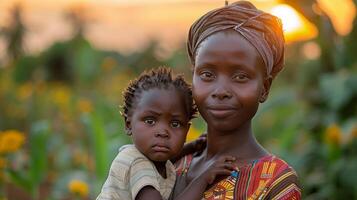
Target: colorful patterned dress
266,178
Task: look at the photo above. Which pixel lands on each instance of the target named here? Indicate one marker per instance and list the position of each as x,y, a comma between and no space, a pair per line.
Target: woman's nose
222,92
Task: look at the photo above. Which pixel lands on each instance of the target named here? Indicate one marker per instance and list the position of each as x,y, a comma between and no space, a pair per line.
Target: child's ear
266,89
128,126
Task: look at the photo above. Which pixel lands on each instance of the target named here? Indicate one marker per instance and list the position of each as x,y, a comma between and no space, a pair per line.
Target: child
236,51
157,111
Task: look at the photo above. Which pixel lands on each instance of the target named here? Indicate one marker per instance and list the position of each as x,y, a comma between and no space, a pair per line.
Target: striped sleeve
115,183
285,186
142,173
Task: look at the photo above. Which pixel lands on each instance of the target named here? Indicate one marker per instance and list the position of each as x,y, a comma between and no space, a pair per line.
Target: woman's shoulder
272,165
279,178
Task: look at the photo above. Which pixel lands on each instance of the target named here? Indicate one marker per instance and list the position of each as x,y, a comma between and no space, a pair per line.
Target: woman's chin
223,126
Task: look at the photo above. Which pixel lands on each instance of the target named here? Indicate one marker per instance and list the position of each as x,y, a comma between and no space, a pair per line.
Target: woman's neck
240,143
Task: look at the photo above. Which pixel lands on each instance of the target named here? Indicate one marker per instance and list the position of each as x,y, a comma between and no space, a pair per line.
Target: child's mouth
160,148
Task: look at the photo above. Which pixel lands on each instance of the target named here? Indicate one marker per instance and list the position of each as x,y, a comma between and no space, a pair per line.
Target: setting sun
296,27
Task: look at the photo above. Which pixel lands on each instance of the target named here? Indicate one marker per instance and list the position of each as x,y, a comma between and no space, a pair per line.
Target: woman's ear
266,89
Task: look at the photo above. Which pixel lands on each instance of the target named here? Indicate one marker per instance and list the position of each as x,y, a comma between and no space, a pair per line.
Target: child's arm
195,190
148,193
197,145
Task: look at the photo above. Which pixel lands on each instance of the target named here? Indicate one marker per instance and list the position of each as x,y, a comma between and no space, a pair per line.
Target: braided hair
160,78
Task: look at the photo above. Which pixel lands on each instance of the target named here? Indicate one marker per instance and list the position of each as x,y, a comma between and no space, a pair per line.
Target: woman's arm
286,186
195,190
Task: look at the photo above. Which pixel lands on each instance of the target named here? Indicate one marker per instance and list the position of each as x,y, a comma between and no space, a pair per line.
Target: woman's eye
149,121
206,75
240,77
175,124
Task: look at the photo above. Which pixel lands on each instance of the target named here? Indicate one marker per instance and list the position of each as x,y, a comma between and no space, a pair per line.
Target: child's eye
175,124
149,121
206,75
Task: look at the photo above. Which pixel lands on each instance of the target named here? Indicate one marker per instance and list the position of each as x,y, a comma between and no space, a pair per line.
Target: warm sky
126,25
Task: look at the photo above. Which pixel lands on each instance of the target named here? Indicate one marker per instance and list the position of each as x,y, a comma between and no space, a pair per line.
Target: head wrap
262,30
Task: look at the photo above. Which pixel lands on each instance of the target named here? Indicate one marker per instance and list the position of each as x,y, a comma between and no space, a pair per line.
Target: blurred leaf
24,68
99,144
86,63
38,153
20,179
334,90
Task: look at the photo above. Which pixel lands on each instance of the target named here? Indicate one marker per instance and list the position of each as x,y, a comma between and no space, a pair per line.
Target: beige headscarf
262,30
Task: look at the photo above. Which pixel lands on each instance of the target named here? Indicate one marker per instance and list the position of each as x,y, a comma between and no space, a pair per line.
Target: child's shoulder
128,149
127,156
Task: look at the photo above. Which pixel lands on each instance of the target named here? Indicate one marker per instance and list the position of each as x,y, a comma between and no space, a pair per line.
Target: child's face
228,81
159,123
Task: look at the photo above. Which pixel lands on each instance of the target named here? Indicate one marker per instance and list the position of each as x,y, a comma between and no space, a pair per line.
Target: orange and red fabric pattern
266,178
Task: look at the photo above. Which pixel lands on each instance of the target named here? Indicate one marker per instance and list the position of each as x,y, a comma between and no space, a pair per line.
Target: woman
236,51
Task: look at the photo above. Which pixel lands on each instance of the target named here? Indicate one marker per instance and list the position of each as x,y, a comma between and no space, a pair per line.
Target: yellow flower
11,141
3,163
24,91
78,187
333,134
2,177
193,134
61,95
84,106
40,87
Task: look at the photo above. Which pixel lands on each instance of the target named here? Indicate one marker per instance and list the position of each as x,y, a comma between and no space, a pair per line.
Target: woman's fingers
219,171
227,159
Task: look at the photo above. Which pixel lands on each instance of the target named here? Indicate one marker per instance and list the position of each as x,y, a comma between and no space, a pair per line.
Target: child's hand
197,145
223,166
200,143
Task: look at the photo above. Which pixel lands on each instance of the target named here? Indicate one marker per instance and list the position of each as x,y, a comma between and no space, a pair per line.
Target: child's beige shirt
130,172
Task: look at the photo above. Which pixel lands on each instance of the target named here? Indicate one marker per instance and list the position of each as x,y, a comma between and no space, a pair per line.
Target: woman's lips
221,111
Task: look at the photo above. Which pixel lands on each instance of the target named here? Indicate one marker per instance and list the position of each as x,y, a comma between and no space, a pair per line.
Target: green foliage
99,145
31,178
68,100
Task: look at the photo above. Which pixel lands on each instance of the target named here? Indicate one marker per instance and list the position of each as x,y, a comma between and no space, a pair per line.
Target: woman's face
228,81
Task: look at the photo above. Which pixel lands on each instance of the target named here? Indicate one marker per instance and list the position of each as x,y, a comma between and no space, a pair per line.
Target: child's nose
162,133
